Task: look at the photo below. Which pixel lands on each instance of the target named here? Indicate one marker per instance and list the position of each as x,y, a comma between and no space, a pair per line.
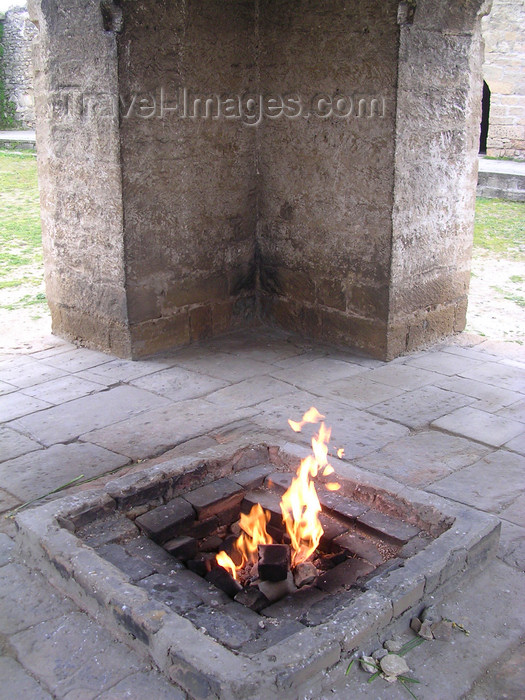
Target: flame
341,452
300,506
311,416
253,526
224,560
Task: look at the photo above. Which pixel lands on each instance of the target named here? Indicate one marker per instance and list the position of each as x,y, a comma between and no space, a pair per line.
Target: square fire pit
139,556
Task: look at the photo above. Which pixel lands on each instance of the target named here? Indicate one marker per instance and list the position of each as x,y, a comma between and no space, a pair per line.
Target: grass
20,232
499,228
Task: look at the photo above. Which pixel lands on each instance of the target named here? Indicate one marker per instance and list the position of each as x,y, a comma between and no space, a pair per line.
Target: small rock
275,590
429,614
368,664
442,630
394,645
415,624
426,630
393,665
379,654
304,573
389,679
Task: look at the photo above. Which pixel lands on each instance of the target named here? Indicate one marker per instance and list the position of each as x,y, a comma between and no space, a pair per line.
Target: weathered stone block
214,498
165,522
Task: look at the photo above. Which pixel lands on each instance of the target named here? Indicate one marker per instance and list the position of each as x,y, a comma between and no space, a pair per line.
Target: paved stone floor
449,420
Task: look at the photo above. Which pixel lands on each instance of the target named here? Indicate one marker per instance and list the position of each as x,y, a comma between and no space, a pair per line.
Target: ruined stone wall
18,33
326,182
437,138
189,181
76,86
504,72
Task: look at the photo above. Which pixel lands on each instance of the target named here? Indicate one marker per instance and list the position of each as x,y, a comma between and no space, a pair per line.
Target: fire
253,526
300,507
300,504
227,563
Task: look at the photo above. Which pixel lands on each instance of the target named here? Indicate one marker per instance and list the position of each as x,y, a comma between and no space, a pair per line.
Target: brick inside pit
168,549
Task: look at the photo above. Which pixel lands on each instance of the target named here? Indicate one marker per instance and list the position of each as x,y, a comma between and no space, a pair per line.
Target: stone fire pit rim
191,658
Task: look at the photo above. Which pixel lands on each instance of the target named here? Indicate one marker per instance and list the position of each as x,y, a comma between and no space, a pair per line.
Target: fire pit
261,535
240,577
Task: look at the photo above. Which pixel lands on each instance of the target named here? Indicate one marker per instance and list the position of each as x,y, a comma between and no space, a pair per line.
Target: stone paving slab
489,484
517,444
259,347
424,457
25,371
357,432
61,390
490,397
156,431
58,346
38,603
420,407
359,391
36,473
479,425
221,365
248,392
512,545
317,373
124,371
7,549
178,384
515,512
15,682
143,686
6,388
16,405
75,657
443,363
77,359
516,411
69,420
405,378
446,669
13,444
8,502
505,679
498,374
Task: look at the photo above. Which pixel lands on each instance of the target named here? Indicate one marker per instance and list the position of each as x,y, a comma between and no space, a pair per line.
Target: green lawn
20,232
500,228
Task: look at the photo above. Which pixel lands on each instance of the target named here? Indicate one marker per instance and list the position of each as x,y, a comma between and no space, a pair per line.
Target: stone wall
188,183
326,184
504,72
352,224
79,173
437,138
18,33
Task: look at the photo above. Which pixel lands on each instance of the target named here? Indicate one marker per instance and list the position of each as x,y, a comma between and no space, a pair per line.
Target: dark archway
485,113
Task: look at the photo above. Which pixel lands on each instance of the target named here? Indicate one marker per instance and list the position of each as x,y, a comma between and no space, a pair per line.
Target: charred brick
274,561
215,498
167,521
182,547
